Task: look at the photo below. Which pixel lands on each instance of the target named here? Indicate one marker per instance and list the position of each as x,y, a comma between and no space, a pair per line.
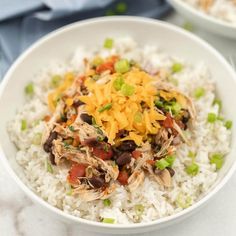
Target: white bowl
203,20
61,43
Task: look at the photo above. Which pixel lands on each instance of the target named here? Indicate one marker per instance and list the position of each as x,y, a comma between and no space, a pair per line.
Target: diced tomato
123,177
151,162
76,171
105,66
168,122
136,154
103,151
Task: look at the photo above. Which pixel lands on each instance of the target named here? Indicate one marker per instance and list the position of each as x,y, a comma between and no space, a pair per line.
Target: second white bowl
203,20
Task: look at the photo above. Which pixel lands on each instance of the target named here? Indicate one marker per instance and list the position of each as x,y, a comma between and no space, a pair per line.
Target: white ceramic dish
61,43
203,20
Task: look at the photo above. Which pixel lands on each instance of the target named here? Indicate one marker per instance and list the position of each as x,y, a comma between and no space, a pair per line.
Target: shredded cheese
121,116
55,95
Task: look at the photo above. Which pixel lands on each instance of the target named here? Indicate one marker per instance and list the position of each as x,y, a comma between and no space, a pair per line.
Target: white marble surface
20,217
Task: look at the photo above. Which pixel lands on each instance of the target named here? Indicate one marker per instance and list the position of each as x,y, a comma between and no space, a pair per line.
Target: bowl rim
134,19
203,15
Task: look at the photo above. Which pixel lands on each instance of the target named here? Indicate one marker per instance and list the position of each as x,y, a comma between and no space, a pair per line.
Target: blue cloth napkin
24,21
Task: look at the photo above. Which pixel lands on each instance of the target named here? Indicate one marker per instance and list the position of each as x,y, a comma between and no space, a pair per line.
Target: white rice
158,201
224,10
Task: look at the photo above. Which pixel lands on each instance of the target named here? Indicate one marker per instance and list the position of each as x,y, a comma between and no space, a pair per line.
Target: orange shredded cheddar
123,114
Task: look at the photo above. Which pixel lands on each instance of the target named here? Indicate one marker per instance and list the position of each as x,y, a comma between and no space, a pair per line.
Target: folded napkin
24,21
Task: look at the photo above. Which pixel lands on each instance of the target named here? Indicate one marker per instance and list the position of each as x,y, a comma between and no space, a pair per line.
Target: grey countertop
20,217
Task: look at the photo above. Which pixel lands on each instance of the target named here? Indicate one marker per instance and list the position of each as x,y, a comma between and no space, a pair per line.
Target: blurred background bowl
203,20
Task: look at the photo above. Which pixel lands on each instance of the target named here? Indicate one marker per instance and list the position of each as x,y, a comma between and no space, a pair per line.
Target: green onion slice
23,125
161,164
212,117
199,92
105,107
218,160
29,89
106,202
170,159
127,90
108,220
117,84
228,124
122,66
55,81
177,67
108,43
49,167
192,169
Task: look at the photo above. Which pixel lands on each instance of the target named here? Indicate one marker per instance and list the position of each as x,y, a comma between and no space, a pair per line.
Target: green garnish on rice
108,43
228,124
29,89
55,81
217,159
192,169
108,220
107,202
23,125
49,167
211,118
177,67
183,201
199,92
218,102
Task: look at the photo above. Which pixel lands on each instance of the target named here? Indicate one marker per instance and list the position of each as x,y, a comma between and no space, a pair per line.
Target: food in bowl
224,10
121,133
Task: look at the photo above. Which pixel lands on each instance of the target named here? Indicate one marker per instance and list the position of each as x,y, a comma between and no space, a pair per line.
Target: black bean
97,182
116,152
86,118
123,159
128,145
172,172
186,117
122,133
46,147
52,158
78,103
48,144
84,89
91,142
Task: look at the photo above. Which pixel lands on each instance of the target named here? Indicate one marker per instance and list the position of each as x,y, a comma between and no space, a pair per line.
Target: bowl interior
62,44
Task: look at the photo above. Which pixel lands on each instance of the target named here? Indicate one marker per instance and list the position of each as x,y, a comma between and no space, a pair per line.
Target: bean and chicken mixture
115,124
